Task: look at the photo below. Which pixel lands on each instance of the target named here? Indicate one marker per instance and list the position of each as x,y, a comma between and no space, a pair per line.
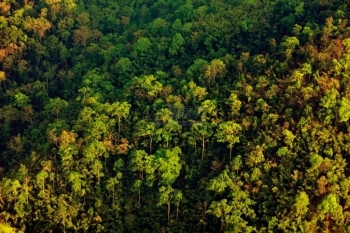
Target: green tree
328,104
55,105
215,69
124,65
234,210
330,205
234,103
201,131
228,132
75,178
138,162
177,42
21,100
142,45
145,128
166,165
146,86
120,110
6,228
193,92
195,69
344,110
207,110
159,27
289,44
301,205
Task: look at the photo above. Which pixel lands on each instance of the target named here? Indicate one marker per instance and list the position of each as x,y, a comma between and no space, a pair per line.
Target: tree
255,156
177,26
21,100
120,110
124,65
6,228
142,45
344,110
146,86
111,183
234,103
193,92
228,132
207,110
83,35
301,205
16,143
176,44
163,116
2,76
159,27
167,131
289,137
330,206
55,105
83,18
328,104
68,149
216,69
289,44
185,12
96,87
75,178
65,26
165,196
40,25
195,69
146,128
178,196
138,162
201,131
236,208
166,165
40,180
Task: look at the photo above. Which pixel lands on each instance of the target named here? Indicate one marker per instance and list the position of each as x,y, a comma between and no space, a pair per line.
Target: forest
174,116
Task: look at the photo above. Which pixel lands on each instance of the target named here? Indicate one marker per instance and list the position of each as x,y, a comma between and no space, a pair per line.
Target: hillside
174,116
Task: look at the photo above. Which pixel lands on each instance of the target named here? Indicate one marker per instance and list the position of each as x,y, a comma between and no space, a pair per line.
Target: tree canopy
174,116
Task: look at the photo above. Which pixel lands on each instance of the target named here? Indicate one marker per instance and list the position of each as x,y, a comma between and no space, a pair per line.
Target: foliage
174,116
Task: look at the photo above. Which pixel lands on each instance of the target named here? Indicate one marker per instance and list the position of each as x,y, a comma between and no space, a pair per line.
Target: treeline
174,116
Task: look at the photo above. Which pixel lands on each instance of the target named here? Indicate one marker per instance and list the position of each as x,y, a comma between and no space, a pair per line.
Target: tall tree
201,131
120,110
146,128
228,132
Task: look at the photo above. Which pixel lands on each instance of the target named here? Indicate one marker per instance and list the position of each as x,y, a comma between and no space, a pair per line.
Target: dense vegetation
174,116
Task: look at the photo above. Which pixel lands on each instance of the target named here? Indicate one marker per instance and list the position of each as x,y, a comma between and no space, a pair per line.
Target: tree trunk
168,211
222,225
43,187
47,85
113,196
230,153
140,196
177,212
26,190
53,185
203,144
118,129
150,144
